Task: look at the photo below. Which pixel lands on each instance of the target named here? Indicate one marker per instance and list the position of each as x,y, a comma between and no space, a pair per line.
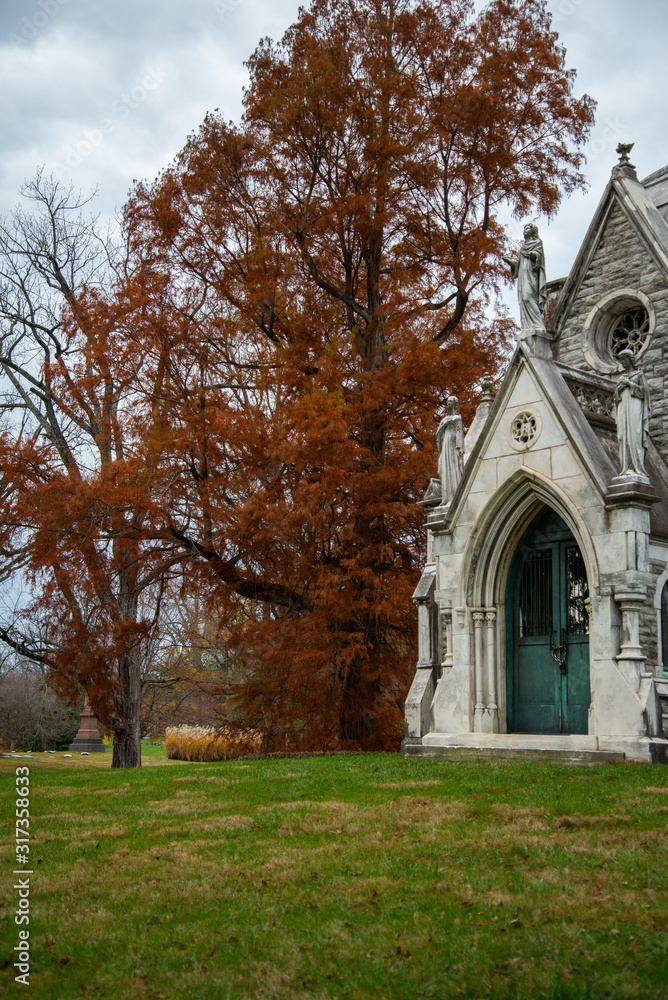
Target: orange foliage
303,293
329,261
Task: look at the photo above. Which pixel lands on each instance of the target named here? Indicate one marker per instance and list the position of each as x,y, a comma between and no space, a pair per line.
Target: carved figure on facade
450,444
633,409
596,401
529,271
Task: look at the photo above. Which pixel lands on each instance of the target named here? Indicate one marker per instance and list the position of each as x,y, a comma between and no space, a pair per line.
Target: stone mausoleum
543,606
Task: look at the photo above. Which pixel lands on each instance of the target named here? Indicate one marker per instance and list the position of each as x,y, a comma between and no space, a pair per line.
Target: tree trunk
127,740
359,696
127,749
361,690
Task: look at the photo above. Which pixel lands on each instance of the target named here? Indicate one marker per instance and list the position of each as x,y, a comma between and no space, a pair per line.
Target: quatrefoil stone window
524,430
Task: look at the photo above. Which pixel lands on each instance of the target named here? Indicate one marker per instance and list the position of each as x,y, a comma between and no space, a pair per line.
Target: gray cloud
103,93
70,67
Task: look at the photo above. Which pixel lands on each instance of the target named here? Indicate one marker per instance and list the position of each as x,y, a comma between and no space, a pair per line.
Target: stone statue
450,444
633,408
529,270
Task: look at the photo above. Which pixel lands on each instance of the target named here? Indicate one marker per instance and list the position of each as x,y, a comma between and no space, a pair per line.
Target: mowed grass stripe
343,877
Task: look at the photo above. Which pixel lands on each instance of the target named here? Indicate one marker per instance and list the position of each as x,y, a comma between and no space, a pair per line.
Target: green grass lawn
352,877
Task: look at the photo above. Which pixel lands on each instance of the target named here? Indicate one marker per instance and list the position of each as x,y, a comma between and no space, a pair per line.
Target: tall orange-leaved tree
329,262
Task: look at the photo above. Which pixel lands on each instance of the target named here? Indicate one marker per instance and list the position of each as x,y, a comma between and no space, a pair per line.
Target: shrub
31,716
204,743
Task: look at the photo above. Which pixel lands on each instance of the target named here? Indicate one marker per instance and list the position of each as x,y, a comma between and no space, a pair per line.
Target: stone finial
487,387
624,148
624,168
481,414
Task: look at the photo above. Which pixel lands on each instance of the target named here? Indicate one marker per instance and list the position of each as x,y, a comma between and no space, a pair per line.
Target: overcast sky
101,93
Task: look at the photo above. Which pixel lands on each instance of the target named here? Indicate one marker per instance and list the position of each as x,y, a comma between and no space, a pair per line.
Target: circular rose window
524,429
623,320
630,332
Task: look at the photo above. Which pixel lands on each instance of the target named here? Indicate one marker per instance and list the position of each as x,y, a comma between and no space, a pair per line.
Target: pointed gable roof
564,409
594,447
625,190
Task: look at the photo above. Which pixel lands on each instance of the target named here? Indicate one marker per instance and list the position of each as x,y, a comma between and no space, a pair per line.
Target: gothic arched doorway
547,630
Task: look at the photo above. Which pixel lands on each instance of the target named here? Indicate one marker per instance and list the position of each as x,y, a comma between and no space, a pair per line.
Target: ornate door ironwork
548,632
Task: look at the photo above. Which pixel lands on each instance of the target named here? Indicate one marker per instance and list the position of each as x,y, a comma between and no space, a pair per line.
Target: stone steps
531,741
490,753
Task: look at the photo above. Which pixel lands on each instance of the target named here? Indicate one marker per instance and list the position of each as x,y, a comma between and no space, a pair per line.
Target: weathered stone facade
622,262
542,515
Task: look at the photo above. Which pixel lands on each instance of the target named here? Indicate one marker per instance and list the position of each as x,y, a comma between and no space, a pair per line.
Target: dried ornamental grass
207,743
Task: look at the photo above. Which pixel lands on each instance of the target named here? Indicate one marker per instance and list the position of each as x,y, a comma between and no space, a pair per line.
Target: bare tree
188,675
47,256
31,715
65,430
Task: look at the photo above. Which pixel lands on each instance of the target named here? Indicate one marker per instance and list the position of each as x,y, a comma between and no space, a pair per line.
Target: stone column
632,663
479,649
630,605
425,658
630,498
492,712
446,639
418,702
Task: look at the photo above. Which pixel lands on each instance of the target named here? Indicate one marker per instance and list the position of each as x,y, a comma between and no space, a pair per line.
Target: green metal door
548,632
